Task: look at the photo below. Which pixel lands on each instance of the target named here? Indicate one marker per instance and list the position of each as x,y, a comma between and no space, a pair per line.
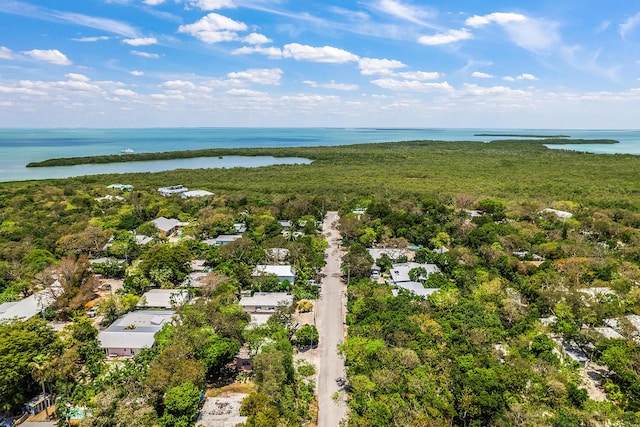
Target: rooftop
166,224
400,272
267,299
163,298
135,329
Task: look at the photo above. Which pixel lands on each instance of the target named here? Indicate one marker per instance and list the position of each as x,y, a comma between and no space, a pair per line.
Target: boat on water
127,151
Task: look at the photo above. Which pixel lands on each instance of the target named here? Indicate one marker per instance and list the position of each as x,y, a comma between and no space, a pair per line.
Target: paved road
331,316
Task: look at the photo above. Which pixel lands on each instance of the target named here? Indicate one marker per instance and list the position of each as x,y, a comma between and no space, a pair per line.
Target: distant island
276,152
522,135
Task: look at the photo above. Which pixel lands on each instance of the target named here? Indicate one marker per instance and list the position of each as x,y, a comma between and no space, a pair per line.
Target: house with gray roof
30,306
282,272
400,272
265,302
223,239
128,335
166,226
163,298
415,288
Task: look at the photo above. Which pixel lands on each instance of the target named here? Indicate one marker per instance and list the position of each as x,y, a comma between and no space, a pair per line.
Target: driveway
331,328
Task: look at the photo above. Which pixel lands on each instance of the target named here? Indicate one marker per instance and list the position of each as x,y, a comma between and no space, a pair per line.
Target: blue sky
368,63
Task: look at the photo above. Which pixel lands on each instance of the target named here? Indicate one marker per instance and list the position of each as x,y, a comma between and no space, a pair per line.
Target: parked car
9,422
93,311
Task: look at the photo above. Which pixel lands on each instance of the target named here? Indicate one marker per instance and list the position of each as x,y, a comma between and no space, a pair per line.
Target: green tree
307,335
21,343
180,406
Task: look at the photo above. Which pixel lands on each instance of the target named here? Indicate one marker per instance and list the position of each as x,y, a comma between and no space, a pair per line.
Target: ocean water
21,146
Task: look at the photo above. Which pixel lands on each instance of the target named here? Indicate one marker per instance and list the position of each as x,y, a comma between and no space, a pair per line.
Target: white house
31,305
196,193
282,272
265,302
400,272
416,288
121,187
166,225
391,253
163,298
128,335
173,189
223,239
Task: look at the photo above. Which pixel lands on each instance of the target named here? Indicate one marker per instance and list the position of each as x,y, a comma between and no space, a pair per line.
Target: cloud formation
214,28
143,41
451,36
52,56
327,54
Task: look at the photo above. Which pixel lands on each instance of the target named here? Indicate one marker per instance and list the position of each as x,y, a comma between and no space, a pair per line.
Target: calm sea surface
21,146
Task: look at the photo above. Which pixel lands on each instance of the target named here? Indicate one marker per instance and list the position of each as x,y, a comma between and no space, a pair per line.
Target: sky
545,64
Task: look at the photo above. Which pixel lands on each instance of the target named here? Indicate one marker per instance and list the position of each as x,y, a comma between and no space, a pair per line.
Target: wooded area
474,353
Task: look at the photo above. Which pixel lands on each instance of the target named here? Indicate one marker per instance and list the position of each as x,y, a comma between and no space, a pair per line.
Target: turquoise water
21,146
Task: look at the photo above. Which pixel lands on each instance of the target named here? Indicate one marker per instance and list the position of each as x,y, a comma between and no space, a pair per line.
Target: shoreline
255,151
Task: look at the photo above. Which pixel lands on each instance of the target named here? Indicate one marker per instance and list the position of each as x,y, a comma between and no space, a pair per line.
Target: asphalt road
331,328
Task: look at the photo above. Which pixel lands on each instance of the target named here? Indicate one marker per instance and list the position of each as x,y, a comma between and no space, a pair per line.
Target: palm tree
39,371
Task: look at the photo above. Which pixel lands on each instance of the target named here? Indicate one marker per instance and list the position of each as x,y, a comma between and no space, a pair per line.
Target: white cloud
476,90
481,75
143,41
153,2
265,76
373,66
53,56
526,76
535,35
331,85
255,38
450,36
212,4
419,75
177,84
214,28
402,11
245,92
523,76
271,52
627,26
501,18
145,54
137,73
410,85
90,39
6,53
124,92
77,77
327,54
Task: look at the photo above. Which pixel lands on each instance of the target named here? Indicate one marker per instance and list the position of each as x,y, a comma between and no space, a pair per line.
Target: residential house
166,226
416,288
196,193
285,223
265,302
400,272
142,240
30,306
401,278
393,254
121,187
173,189
223,239
163,298
282,272
128,335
